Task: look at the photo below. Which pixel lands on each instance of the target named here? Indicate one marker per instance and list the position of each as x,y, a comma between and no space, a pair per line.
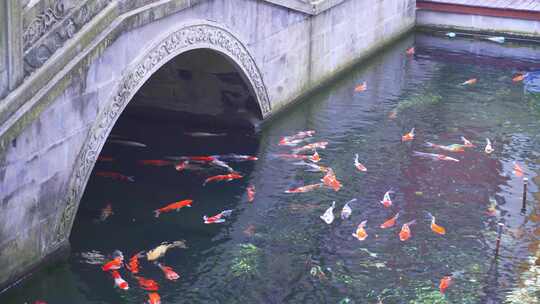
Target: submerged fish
328,216
311,147
361,87
360,233
450,148
218,218
467,143
106,212
331,181
488,149
519,77
225,177
492,208
133,264
405,232
358,165
154,298
128,143
450,34
204,134
160,250
304,189
147,284
222,164
155,162
446,281
236,157
170,274
390,222
434,227
251,193
298,137
434,156
410,51
408,137
314,158
518,171
470,81
174,206
347,210
498,39
115,176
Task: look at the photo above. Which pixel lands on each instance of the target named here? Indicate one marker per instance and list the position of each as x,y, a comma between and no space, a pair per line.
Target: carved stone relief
188,38
50,30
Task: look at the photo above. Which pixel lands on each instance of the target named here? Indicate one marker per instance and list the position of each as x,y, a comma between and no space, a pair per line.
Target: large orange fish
331,181
114,264
361,87
133,264
225,177
155,162
304,189
251,193
148,284
360,233
390,222
154,298
170,274
470,81
446,281
434,227
408,137
405,232
174,206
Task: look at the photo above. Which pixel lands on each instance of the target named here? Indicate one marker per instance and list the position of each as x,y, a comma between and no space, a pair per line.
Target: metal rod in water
524,204
499,234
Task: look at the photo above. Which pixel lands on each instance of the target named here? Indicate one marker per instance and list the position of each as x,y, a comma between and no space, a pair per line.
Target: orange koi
154,298
133,264
331,181
304,189
155,162
434,227
170,274
174,206
115,176
114,264
224,177
446,281
360,233
492,208
408,137
148,284
410,51
519,77
218,218
390,222
314,158
251,193
405,232
470,81
118,281
361,87
518,171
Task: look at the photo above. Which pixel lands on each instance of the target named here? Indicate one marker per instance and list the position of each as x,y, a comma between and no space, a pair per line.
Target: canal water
277,249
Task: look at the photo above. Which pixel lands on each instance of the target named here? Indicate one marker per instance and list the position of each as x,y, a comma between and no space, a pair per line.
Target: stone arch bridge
69,68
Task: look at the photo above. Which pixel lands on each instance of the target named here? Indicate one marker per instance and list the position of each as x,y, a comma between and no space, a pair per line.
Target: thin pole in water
499,234
524,203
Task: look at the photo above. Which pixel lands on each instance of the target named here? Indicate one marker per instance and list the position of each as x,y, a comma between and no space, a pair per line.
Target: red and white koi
236,157
470,81
387,200
298,137
118,281
154,298
314,158
218,218
347,210
488,149
170,274
467,143
456,148
358,165
304,189
251,193
405,232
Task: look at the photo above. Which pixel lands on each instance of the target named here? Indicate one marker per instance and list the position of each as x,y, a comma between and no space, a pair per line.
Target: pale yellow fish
160,250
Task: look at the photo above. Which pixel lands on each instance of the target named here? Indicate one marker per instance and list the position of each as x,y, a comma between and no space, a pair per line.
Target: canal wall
58,113
517,18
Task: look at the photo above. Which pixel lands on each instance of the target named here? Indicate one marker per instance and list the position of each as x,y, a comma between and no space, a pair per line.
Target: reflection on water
277,249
